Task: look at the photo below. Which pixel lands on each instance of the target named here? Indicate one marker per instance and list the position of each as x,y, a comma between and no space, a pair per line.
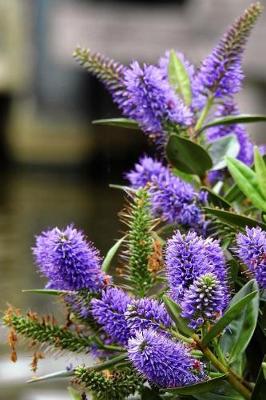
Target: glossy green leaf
230,314
234,119
215,199
233,219
50,292
220,148
193,179
187,156
259,390
179,78
111,253
174,312
234,194
119,122
55,375
246,180
202,387
260,170
240,331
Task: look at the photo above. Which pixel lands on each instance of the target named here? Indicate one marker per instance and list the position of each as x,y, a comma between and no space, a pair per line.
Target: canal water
31,201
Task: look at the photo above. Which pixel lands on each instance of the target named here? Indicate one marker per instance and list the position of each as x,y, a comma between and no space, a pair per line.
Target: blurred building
50,100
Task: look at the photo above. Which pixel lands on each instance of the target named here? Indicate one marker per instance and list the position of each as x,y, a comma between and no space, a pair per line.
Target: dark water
29,203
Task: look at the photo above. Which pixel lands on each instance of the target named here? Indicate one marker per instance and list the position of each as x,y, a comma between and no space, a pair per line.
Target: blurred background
55,165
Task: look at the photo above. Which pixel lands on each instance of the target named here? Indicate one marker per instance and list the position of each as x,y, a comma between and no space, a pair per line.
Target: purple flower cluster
221,72
68,260
147,313
149,100
162,361
190,256
251,249
109,312
172,199
203,301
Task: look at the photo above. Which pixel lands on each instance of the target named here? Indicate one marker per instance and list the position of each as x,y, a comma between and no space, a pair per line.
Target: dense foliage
187,309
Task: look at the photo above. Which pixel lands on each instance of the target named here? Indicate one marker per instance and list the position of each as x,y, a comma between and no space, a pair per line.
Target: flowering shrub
189,304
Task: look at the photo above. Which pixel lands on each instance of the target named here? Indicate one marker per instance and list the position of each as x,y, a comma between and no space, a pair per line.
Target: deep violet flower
251,249
190,256
68,260
163,362
149,99
147,313
203,301
221,74
109,311
146,170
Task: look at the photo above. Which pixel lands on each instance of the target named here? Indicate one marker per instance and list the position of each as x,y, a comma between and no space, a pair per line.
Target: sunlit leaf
110,255
179,78
260,170
220,148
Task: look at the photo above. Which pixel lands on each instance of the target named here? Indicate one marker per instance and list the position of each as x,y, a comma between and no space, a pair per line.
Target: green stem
179,335
231,377
204,114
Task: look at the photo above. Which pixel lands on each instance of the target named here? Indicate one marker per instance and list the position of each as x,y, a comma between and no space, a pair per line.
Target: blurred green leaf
215,199
194,179
50,292
247,182
149,394
223,391
74,394
230,314
220,148
233,219
187,156
240,331
260,385
174,311
234,194
260,170
202,387
119,122
55,375
234,119
179,78
111,253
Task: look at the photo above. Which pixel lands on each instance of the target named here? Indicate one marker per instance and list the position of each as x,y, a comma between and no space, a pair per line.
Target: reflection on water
29,203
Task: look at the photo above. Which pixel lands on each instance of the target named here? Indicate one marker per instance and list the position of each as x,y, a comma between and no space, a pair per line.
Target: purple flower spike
109,312
147,313
221,73
146,170
190,256
68,260
149,99
252,251
163,362
203,301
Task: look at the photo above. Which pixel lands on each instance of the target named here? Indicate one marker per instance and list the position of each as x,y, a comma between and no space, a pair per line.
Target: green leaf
234,194
74,394
202,387
223,391
174,311
260,386
240,331
179,78
215,199
193,179
260,170
119,122
220,148
187,156
247,182
233,219
50,292
234,119
111,253
55,375
230,314
149,394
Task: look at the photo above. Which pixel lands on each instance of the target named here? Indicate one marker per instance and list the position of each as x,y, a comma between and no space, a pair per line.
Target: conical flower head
109,312
221,72
203,301
190,256
147,313
68,260
251,249
163,362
